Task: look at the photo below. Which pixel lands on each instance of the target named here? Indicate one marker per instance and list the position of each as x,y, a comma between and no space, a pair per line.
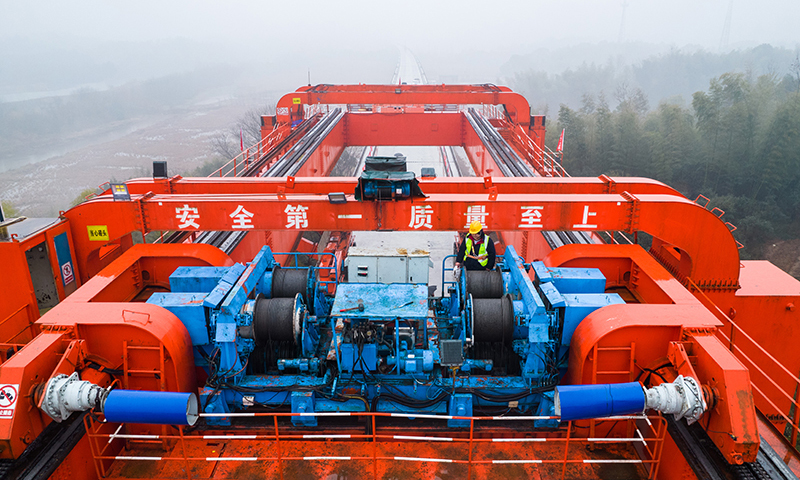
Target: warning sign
296,101
67,274
8,400
98,232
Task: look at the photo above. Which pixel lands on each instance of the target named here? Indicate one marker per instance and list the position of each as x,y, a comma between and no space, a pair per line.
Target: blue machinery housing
272,337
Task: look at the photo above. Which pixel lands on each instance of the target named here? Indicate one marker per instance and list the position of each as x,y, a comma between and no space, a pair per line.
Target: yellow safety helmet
475,227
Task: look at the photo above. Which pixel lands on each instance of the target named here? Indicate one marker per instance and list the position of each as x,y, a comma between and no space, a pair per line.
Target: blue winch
268,337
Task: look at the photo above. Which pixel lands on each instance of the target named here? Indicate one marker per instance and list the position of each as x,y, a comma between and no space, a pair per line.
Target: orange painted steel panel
319,185
769,320
124,278
678,316
18,304
653,327
482,161
401,129
28,367
704,238
732,424
290,105
626,266
103,319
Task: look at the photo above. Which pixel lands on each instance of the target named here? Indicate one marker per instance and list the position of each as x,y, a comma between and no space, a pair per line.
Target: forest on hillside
737,143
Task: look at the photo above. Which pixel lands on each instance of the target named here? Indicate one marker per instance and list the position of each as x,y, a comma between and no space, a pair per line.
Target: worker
476,252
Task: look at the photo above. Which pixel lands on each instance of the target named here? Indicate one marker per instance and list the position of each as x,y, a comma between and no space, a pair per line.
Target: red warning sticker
8,400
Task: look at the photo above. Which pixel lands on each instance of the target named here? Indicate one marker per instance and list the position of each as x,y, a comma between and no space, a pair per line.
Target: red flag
560,147
241,139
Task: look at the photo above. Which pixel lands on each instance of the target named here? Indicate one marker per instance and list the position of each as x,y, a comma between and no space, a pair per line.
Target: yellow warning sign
98,233
296,101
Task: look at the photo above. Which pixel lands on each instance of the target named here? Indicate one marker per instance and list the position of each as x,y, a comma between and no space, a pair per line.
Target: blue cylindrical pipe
160,408
576,402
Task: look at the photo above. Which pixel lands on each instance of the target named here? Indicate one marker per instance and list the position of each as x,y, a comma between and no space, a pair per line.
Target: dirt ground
181,137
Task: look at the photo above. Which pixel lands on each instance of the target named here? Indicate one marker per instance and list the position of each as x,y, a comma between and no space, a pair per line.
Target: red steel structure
692,306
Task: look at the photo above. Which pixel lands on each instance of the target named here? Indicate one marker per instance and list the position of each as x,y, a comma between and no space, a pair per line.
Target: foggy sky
265,26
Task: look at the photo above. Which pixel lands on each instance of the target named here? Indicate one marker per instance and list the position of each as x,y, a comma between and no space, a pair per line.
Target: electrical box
373,265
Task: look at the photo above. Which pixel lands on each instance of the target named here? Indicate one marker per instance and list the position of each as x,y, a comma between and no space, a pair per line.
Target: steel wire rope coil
494,319
273,320
289,282
484,284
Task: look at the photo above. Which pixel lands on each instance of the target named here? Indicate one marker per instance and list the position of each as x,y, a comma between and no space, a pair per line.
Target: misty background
92,91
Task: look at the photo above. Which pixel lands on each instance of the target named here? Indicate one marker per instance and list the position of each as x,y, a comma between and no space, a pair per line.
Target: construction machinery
192,327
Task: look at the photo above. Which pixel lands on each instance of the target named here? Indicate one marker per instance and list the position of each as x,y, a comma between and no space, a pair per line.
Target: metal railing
644,439
744,347
238,164
544,159
315,270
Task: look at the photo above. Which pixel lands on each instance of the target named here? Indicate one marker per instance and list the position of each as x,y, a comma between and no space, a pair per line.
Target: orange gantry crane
685,353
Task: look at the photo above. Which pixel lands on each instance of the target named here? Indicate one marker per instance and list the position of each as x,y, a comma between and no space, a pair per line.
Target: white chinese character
531,217
421,217
242,218
296,217
586,215
187,216
476,213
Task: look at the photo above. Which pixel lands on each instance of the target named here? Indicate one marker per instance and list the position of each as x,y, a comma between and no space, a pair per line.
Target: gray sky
440,25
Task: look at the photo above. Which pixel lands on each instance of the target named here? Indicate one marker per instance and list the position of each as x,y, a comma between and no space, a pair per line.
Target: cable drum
494,319
273,320
289,282
484,284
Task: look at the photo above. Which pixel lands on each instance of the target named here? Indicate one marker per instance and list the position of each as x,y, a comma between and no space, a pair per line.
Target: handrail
297,266
539,155
444,269
736,349
238,164
646,431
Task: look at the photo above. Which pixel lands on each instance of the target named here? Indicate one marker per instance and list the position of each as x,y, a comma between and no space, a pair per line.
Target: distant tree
780,161
633,99
86,192
575,152
606,141
794,68
9,209
246,130
672,140
587,104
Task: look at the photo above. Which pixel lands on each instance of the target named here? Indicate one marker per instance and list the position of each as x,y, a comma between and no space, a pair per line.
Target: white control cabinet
373,265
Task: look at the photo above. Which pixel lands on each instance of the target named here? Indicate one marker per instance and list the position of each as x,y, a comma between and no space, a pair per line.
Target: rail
642,442
771,391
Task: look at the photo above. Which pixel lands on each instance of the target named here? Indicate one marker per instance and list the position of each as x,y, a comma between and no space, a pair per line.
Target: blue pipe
160,408
576,402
